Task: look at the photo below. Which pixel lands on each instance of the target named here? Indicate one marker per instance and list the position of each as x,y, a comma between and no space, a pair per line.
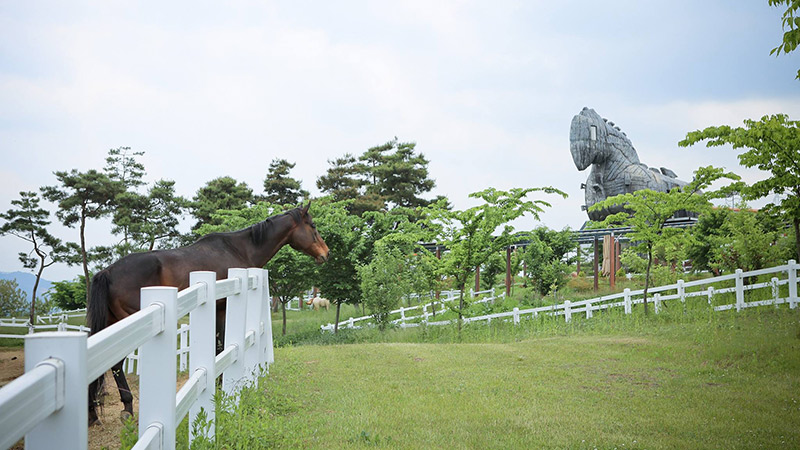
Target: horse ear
305,209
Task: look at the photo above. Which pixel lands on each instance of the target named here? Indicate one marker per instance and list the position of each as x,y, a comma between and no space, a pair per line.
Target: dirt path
12,365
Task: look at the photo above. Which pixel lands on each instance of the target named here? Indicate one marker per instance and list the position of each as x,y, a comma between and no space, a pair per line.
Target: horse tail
97,308
97,319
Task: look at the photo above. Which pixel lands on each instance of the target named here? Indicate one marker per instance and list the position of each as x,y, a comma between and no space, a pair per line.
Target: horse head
306,238
593,140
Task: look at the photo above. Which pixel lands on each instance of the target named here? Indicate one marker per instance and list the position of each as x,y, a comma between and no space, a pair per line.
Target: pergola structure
583,236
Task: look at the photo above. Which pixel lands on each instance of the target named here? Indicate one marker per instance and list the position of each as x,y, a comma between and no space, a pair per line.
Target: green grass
694,380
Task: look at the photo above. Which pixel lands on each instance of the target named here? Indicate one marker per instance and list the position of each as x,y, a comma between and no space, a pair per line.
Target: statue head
592,140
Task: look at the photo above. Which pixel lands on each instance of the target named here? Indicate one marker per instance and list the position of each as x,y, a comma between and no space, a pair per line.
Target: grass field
676,381
679,379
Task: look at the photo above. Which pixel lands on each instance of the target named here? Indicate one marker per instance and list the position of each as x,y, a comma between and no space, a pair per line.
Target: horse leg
124,391
94,393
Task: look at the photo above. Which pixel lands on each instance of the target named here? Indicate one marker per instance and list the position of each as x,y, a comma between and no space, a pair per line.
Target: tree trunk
35,287
283,307
647,275
796,222
460,306
84,256
336,323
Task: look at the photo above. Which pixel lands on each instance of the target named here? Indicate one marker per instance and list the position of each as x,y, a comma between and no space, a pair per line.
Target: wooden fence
709,289
48,404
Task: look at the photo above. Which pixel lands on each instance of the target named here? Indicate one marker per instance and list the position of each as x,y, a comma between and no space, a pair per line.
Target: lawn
723,381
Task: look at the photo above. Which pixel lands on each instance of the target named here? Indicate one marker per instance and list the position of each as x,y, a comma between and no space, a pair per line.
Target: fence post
267,348
657,302
710,295
627,295
589,310
792,269
739,290
202,347
402,315
235,312
184,346
516,316
158,375
425,313
252,355
67,427
350,323
775,294
681,291
567,311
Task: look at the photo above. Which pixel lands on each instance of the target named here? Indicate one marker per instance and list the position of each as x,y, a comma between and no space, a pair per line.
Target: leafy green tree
773,145
384,282
13,302
29,222
345,180
159,222
279,187
492,269
82,196
471,235
399,174
545,256
791,27
338,278
68,294
218,194
647,213
704,238
123,166
746,241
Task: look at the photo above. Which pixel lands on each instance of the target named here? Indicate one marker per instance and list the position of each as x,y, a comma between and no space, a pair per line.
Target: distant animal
318,303
596,142
114,293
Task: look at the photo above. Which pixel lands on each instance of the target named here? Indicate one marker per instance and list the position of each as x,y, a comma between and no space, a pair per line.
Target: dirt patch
12,365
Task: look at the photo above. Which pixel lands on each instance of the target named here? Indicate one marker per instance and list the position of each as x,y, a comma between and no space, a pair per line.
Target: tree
69,294
399,177
704,238
470,235
491,269
773,145
345,181
279,187
384,282
80,197
791,27
344,233
29,222
219,193
122,166
646,213
159,222
545,257
13,302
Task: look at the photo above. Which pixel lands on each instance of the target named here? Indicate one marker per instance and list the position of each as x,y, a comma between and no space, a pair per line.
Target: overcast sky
487,90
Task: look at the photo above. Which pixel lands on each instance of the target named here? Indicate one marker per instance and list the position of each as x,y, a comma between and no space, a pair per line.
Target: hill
25,281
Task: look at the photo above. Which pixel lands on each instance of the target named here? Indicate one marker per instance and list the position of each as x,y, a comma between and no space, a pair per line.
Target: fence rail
48,405
658,295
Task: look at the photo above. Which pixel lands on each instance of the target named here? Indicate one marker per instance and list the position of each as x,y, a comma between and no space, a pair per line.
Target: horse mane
262,231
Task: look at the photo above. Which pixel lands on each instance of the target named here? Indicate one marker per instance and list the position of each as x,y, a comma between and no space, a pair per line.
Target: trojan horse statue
596,142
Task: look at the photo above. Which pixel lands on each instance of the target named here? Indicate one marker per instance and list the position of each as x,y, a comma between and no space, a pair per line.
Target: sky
487,90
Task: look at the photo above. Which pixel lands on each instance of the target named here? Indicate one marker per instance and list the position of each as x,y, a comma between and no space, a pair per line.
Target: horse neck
615,160
277,233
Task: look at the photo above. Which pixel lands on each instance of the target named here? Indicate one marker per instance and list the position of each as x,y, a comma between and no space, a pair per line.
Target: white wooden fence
409,321
48,404
709,289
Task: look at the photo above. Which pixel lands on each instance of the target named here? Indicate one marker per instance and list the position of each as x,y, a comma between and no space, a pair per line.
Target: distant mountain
26,280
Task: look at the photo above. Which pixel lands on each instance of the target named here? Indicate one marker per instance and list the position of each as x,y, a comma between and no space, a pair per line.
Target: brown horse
115,290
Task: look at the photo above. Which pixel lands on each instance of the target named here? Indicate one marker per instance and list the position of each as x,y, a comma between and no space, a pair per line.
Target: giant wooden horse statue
115,290
596,142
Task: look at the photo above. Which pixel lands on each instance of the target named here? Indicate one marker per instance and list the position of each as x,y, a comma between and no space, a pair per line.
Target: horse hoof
124,416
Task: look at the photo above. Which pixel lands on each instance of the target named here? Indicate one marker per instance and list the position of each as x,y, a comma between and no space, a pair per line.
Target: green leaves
771,144
791,27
